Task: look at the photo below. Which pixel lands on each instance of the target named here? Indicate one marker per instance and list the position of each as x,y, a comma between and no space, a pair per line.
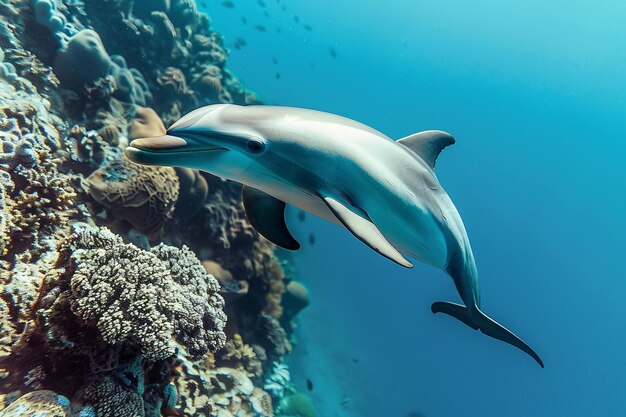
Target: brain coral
145,196
145,297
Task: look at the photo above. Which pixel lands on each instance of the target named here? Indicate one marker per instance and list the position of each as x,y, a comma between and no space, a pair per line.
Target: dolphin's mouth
151,151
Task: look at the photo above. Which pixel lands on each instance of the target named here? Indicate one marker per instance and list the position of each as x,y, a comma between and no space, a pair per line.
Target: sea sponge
145,297
82,61
144,196
38,404
145,124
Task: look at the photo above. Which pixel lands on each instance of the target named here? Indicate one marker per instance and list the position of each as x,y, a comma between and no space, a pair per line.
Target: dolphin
384,192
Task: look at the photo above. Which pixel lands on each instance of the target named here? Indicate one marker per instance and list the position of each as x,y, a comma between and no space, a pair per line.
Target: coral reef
116,280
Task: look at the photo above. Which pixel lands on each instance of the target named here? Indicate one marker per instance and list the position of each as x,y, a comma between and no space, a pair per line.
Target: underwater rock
295,298
145,297
144,196
38,404
193,191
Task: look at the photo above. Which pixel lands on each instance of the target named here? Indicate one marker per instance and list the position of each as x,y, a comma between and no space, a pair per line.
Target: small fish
308,27
345,400
301,215
278,30
333,52
355,360
203,4
266,13
274,60
284,8
312,239
312,65
297,19
262,3
244,20
228,4
309,385
415,414
260,28
278,75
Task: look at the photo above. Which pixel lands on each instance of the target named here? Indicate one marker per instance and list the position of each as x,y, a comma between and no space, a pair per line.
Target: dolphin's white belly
417,235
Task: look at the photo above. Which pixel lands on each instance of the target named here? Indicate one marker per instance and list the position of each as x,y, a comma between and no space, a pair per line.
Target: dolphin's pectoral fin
366,231
457,311
267,215
486,325
428,144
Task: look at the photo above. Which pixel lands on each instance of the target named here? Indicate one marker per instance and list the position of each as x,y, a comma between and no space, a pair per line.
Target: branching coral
145,297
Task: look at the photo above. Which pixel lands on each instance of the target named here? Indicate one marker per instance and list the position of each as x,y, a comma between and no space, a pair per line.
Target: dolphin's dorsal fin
427,144
267,215
366,231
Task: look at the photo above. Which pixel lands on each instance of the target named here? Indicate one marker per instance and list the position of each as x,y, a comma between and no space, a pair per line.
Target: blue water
534,93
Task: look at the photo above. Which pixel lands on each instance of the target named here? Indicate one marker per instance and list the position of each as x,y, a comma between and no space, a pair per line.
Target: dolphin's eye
255,145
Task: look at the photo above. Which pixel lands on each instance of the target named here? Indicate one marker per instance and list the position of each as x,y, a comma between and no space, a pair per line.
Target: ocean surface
534,93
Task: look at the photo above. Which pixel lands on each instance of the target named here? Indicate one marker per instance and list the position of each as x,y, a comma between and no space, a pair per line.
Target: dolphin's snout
158,142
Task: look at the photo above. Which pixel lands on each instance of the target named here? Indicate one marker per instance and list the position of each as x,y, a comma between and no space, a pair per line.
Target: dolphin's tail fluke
480,321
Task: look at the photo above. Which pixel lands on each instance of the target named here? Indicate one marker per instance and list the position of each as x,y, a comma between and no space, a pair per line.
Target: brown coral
147,123
144,196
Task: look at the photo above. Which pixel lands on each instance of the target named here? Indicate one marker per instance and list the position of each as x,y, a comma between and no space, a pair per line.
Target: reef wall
127,290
